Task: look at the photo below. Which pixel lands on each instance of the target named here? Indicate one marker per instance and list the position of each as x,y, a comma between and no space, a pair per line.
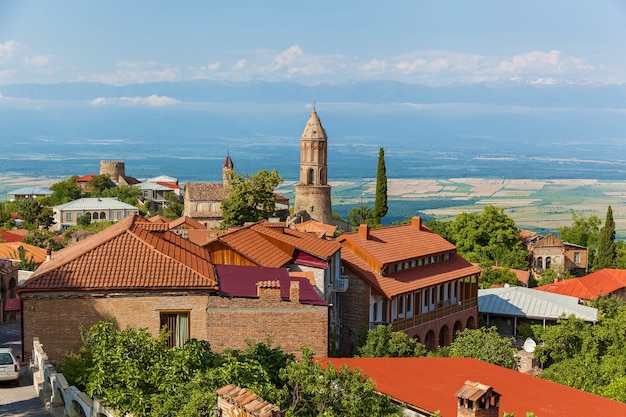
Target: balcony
341,283
439,312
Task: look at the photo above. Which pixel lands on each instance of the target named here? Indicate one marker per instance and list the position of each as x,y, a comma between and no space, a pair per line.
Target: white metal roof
102,203
529,303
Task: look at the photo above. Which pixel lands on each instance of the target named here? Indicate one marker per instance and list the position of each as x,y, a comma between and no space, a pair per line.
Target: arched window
539,262
548,262
310,178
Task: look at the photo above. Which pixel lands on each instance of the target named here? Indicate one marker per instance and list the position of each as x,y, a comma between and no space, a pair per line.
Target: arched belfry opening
313,189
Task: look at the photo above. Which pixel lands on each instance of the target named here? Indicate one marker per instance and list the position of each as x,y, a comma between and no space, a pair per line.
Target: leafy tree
126,193
489,238
583,232
383,342
41,238
380,202
99,183
250,198
362,215
173,207
317,391
550,275
606,243
35,214
484,344
83,220
64,191
493,276
6,216
442,228
26,263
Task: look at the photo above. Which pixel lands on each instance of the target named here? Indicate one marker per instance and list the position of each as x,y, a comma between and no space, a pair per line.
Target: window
399,267
375,312
440,257
409,305
68,217
576,257
539,263
178,326
119,215
447,256
401,306
392,269
413,263
103,215
420,261
548,262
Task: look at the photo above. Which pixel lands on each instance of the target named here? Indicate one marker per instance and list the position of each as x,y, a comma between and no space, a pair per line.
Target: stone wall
354,305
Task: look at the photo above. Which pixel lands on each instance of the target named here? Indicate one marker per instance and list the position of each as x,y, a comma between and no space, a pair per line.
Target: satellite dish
529,345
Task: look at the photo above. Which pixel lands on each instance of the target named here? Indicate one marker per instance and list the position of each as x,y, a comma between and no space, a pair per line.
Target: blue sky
425,42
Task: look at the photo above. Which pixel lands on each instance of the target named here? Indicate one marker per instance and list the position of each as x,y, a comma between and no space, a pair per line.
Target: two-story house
410,278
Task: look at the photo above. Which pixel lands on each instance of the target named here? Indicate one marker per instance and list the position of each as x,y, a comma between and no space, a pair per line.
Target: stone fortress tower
114,169
313,191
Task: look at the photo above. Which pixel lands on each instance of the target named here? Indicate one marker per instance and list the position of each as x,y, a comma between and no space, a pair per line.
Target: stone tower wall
315,200
114,169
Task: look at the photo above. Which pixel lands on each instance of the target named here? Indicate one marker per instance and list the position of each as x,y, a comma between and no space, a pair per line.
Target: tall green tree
606,243
489,238
99,183
36,215
64,191
380,203
250,198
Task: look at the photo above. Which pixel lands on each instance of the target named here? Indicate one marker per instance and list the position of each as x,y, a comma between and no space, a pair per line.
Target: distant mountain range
371,92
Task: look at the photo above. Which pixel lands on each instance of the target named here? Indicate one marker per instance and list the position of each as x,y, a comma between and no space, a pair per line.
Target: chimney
364,231
416,221
294,291
477,400
48,251
268,290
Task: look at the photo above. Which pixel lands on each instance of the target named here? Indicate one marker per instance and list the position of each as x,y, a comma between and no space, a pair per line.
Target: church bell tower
313,191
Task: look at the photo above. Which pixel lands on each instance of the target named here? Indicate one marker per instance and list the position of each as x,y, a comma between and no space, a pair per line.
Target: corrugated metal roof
530,303
31,191
102,203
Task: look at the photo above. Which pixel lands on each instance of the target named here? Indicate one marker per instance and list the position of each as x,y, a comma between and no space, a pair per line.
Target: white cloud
289,56
375,66
36,61
555,62
137,72
7,49
422,65
239,65
151,101
212,67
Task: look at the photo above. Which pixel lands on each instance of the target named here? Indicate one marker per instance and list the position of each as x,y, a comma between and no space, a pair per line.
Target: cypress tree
380,203
606,243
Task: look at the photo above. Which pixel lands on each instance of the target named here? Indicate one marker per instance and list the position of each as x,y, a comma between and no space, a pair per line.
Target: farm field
540,205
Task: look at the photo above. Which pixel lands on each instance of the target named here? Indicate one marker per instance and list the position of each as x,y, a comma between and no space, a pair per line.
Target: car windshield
6,359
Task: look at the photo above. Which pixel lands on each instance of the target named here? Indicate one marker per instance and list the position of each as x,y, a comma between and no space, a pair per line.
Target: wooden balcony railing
406,323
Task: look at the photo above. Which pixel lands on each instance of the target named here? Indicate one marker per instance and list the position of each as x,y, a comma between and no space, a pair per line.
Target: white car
9,366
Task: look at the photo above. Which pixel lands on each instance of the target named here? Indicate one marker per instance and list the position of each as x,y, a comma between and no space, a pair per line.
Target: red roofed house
409,277
599,283
146,277
83,182
551,252
423,386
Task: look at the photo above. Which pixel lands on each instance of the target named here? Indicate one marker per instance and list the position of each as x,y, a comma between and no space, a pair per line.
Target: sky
121,42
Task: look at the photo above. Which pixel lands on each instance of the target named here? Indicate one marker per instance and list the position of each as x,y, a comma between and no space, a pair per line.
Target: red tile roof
126,256
393,244
10,250
158,219
409,279
171,185
589,287
255,247
431,383
8,236
187,221
302,241
241,281
86,178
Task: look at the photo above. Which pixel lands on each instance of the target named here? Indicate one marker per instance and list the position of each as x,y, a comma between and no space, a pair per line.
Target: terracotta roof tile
126,256
159,219
186,221
257,248
10,250
8,236
589,287
392,244
302,241
205,191
409,279
403,379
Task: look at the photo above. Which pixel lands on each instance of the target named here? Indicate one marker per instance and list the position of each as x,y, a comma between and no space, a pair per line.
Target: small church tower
227,170
313,191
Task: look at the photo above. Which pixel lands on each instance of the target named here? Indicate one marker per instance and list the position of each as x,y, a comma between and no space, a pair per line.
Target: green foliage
26,263
64,191
489,238
83,220
35,214
41,238
362,215
98,184
485,344
317,391
125,193
607,253
493,276
442,228
583,232
250,198
380,202
6,216
173,207
383,342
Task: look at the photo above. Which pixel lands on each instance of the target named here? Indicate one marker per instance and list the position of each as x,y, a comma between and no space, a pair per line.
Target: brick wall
354,314
233,322
226,323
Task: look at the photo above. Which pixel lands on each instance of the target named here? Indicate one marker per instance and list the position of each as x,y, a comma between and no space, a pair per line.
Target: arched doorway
444,336
458,326
430,341
471,322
